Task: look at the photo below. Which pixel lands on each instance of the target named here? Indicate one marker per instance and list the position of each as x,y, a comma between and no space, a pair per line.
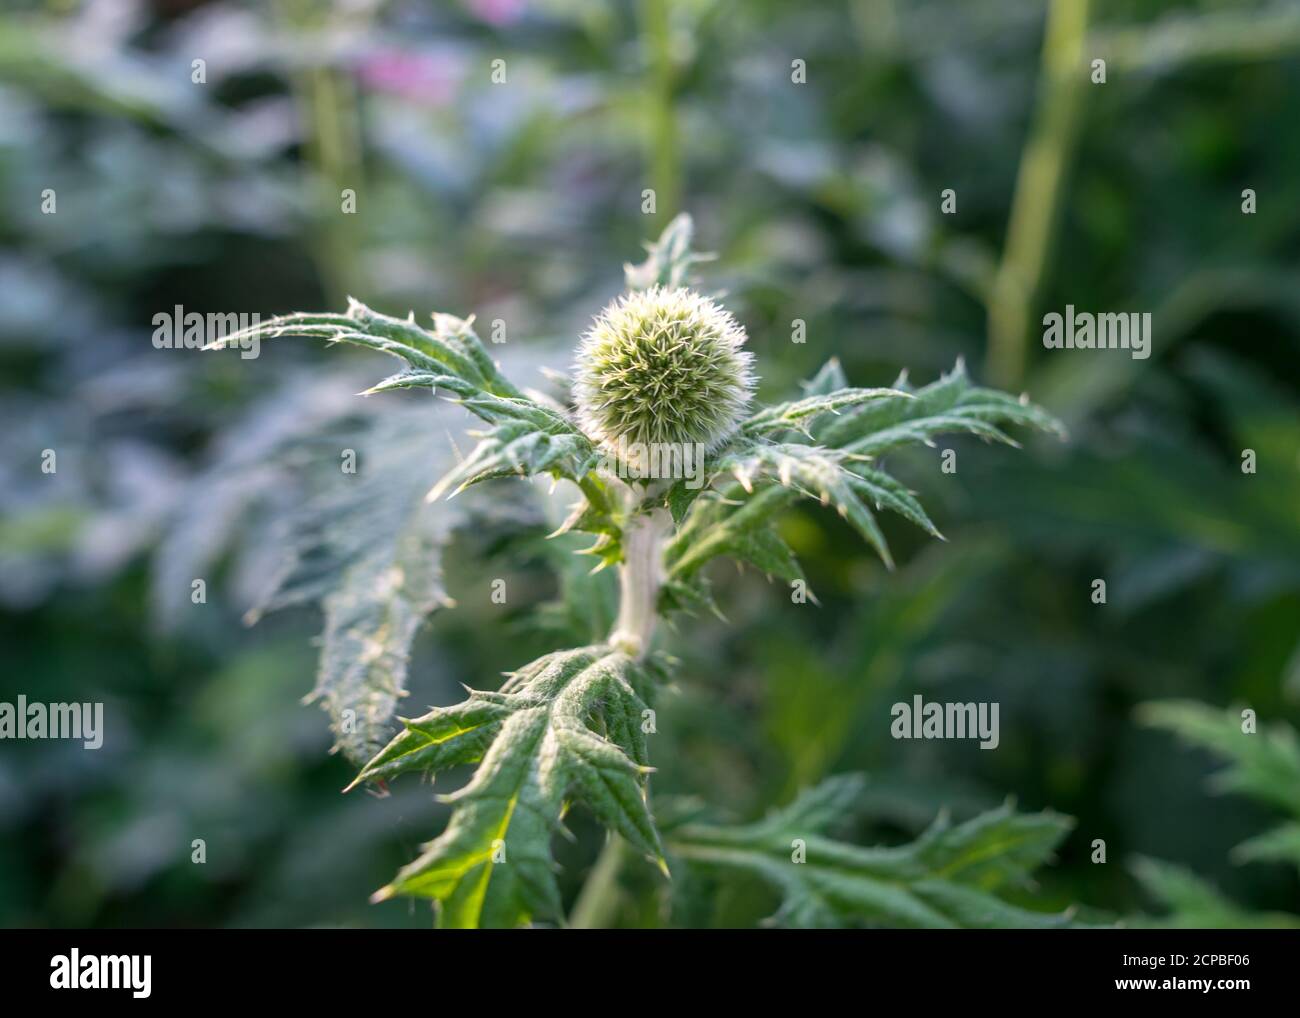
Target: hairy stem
640,577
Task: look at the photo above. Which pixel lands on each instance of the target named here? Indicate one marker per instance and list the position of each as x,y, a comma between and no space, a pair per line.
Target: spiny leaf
527,437
369,550
833,464
949,405
946,878
995,849
1281,844
569,724
799,414
888,493
670,258
519,448
721,525
821,474
596,513
1197,905
370,622
766,549
1264,765
828,379
450,349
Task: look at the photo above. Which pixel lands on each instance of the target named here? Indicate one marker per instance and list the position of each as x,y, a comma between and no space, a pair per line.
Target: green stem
661,139
1038,189
328,109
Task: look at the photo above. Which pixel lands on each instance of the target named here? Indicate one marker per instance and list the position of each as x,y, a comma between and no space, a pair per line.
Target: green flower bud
663,366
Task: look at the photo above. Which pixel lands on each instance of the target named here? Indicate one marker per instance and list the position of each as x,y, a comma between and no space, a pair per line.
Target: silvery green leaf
520,449
821,474
830,448
528,437
1281,844
369,549
363,545
567,726
1193,903
828,379
950,405
451,348
801,413
669,260
1264,765
949,877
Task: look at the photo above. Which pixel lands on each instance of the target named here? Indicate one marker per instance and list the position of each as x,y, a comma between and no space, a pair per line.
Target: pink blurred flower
497,12
429,78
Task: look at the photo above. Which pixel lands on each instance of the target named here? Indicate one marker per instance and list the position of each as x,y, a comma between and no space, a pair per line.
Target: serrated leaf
1193,903
370,622
944,879
679,498
1264,765
766,550
828,378
995,849
947,406
800,414
1282,844
569,724
888,493
820,474
450,349
527,436
370,550
519,448
669,259
692,595
832,466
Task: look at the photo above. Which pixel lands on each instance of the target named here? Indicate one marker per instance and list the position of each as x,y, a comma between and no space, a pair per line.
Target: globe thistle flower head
663,366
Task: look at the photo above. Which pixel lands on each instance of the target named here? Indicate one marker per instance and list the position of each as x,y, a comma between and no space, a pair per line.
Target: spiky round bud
662,366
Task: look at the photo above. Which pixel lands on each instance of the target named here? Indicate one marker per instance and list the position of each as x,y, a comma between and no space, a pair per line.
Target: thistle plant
664,365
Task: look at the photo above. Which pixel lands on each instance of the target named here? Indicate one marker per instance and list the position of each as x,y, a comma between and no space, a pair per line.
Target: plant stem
333,151
640,577
328,109
662,137
1038,189
598,901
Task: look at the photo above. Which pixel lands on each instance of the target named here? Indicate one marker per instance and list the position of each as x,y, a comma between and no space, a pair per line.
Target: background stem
661,135
1035,204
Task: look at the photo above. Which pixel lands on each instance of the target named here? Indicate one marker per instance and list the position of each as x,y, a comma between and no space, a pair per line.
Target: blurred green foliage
519,201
